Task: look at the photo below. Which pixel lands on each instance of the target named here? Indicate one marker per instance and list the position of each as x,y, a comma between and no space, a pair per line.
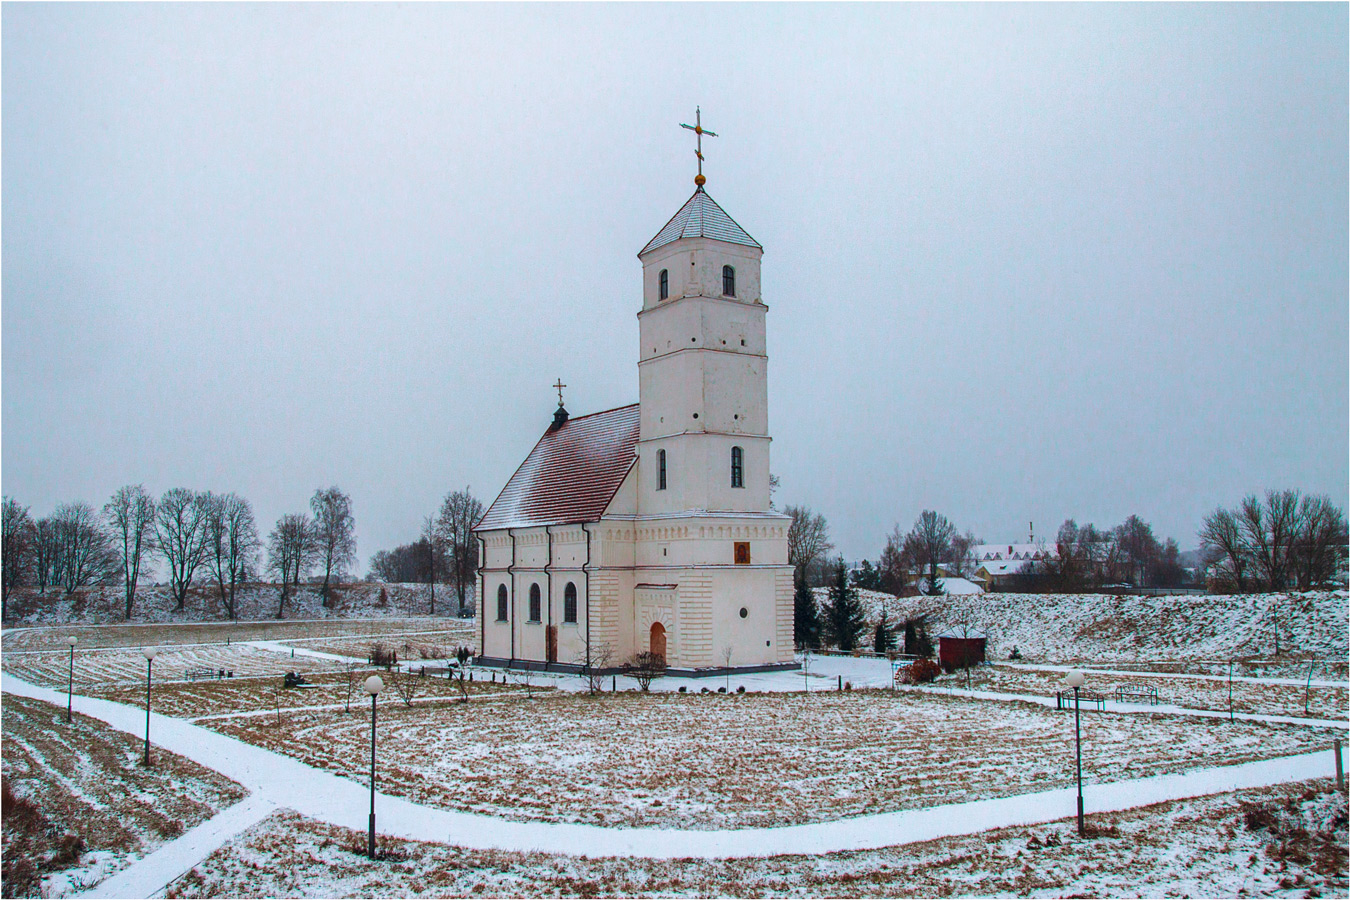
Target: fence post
841,683
1340,768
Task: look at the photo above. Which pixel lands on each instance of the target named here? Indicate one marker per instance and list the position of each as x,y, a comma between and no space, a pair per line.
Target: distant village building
648,527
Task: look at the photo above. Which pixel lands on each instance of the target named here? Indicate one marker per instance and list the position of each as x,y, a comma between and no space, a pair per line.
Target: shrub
922,671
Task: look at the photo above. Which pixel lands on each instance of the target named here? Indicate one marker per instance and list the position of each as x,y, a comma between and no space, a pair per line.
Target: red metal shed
960,647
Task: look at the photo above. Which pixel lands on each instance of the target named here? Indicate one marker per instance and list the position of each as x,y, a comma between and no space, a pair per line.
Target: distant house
1000,574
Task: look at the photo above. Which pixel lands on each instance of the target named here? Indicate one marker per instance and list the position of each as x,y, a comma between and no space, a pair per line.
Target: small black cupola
559,414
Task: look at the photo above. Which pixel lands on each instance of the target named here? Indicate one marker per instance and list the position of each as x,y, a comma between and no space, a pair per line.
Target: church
648,527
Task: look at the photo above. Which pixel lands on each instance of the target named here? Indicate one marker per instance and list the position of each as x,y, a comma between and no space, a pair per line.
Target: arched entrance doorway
658,645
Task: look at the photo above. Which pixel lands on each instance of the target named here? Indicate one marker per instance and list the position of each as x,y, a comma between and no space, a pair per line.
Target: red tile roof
571,475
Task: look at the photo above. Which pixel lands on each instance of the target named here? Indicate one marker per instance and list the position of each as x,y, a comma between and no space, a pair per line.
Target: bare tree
1319,542
594,659
961,560
290,553
406,684
928,543
231,544
1139,549
334,534
16,549
1267,529
84,549
460,512
131,513
433,547
646,667
46,554
180,536
808,539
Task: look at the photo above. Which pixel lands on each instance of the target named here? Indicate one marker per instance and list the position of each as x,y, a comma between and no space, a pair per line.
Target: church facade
648,527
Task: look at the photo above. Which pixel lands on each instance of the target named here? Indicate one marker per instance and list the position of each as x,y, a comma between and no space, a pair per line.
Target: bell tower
702,364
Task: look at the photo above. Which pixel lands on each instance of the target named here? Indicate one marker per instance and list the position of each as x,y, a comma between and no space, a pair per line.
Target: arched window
534,603
570,603
665,284
737,467
501,603
660,470
728,281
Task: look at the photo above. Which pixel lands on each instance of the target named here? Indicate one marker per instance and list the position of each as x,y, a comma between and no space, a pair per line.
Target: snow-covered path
1184,676
150,876
286,782
1116,706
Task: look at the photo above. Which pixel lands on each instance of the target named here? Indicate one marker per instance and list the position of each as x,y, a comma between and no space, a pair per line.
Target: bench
203,672
1064,699
1142,693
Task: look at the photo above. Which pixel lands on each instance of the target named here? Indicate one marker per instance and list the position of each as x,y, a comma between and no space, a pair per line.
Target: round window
744,612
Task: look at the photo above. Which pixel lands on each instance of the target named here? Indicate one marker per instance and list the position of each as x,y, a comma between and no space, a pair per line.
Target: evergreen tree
806,617
883,639
844,619
868,577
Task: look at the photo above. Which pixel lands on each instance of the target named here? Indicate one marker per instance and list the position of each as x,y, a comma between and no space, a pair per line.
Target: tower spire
698,129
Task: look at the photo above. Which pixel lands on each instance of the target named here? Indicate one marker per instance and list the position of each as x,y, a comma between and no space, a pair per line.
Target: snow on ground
253,601
299,631
710,761
85,780
1249,695
1225,845
1106,628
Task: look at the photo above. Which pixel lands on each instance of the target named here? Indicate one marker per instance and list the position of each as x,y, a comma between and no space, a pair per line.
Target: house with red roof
648,527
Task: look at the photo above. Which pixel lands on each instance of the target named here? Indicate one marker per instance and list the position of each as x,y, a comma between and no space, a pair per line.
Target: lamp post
1076,680
149,653
70,683
374,684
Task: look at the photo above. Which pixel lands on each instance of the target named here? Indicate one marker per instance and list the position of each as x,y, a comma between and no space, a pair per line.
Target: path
1116,706
318,795
1128,673
149,876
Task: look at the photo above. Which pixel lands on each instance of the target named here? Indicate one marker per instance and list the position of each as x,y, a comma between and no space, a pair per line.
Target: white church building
648,527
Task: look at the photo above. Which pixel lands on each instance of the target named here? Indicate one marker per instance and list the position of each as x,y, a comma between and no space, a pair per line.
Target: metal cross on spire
559,385
698,129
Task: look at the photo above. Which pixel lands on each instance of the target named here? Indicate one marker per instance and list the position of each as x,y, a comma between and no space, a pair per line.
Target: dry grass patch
710,761
86,781
1197,847
1195,693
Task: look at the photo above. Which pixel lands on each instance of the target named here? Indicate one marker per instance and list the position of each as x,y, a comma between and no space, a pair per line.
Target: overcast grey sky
1023,262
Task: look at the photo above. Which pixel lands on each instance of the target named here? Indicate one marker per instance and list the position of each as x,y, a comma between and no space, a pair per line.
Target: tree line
1286,540
195,534
445,552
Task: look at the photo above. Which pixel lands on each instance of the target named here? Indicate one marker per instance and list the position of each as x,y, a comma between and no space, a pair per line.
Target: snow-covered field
1283,841
716,761
1158,630
85,780
254,601
776,755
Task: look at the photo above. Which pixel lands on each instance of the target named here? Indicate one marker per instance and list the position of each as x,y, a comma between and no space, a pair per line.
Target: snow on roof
571,475
959,586
1003,567
981,552
963,632
700,217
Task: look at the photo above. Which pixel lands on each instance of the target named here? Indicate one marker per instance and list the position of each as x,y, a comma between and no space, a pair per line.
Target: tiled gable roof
700,217
571,475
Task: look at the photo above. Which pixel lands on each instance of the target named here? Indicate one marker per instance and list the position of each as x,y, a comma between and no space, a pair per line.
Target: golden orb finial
700,180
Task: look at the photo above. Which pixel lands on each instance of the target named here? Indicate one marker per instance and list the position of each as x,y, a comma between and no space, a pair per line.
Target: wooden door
551,643
659,640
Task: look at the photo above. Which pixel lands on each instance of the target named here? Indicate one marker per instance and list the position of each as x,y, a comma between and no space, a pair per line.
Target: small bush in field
380,655
922,671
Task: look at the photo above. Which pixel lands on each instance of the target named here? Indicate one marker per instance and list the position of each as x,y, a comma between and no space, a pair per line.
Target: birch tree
180,536
333,531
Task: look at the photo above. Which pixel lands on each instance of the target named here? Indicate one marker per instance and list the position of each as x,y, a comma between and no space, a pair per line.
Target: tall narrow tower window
737,467
535,607
660,470
728,281
501,603
665,284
